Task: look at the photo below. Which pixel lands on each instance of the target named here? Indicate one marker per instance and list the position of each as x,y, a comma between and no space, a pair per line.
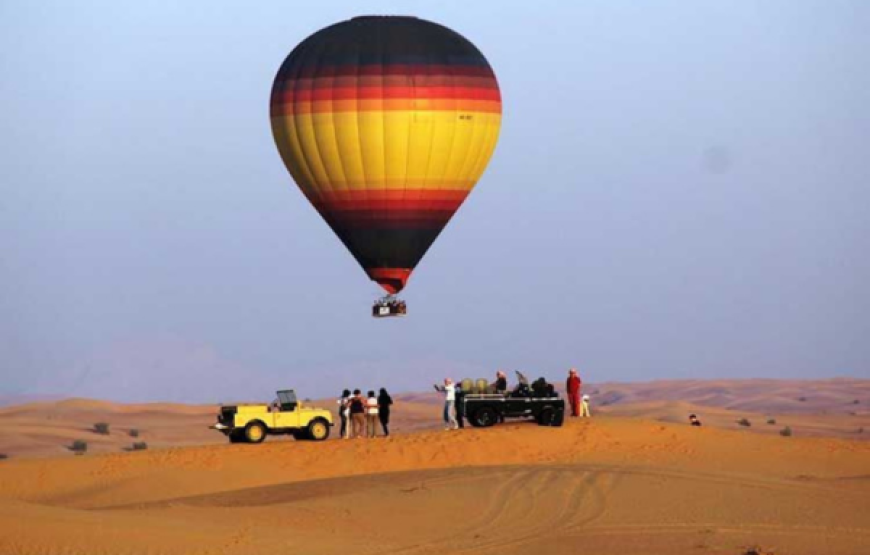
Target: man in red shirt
573,387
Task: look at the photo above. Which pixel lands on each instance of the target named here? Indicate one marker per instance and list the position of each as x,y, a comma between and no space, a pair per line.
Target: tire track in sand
541,499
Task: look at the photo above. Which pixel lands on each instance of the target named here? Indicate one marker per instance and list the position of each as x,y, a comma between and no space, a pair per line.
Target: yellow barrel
481,386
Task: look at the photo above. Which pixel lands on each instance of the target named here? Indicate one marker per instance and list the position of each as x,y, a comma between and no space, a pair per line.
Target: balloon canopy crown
389,306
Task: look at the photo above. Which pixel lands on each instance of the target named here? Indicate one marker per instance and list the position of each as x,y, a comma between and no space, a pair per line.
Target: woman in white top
449,391
372,414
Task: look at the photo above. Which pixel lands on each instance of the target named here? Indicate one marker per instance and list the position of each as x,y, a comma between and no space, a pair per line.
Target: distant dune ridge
48,428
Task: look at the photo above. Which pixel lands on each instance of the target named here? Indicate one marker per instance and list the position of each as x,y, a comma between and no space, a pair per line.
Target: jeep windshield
287,399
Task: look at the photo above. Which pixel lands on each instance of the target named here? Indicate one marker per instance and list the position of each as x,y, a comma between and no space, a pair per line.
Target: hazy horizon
679,192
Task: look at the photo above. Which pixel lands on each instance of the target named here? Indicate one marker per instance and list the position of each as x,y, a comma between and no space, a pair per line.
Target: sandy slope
608,486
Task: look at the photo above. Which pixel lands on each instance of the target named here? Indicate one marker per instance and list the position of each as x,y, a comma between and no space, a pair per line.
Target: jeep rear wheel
318,430
236,436
484,417
255,432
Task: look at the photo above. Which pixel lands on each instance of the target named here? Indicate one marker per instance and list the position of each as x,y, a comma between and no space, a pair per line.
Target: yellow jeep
251,422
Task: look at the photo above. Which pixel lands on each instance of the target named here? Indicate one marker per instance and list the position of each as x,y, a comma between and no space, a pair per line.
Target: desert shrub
79,446
802,399
102,428
133,432
140,446
744,422
785,432
860,430
3,456
856,402
771,421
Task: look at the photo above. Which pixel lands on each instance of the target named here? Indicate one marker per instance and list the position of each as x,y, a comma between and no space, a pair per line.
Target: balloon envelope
386,124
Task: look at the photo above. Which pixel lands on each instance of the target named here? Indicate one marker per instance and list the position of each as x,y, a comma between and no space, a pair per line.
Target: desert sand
625,482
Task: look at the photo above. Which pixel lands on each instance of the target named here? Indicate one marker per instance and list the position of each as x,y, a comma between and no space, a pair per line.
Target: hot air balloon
386,123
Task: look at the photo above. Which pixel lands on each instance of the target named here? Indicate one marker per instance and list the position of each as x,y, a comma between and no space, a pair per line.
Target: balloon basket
389,307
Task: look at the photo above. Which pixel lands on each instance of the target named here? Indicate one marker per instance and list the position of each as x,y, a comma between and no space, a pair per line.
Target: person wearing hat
449,391
584,407
572,387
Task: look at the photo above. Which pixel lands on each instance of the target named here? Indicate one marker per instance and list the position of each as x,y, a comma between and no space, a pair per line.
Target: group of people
360,415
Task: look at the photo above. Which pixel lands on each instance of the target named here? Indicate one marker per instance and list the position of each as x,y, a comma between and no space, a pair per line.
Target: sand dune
634,479
607,486
836,396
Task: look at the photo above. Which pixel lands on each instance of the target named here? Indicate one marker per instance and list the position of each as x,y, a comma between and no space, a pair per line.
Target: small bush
802,399
785,432
140,446
860,430
856,402
771,421
744,422
133,432
102,428
3,456
79,446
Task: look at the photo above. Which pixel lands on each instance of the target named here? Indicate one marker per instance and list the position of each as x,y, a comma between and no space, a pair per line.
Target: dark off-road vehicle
539,402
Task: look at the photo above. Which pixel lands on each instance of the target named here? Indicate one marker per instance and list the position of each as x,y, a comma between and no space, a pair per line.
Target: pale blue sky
680,190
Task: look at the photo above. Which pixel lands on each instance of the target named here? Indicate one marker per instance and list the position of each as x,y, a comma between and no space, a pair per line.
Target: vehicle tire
484,417
300,435
318,430
547,416
237,436
255,432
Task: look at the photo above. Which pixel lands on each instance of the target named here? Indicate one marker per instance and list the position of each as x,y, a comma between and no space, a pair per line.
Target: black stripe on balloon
388,248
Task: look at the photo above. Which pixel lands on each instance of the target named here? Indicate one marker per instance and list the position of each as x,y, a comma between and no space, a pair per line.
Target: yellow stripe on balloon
334,151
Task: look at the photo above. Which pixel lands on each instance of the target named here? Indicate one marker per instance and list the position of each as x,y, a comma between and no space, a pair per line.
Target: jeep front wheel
318,430
255,432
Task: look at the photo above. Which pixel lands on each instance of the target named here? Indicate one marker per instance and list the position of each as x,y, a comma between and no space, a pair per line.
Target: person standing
357,413
572,387
449,391
372,414
344,413
384,402
460,406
